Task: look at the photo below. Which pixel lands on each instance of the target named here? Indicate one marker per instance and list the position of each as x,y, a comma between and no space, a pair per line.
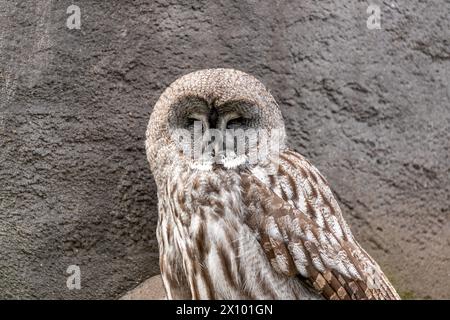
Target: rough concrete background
370,108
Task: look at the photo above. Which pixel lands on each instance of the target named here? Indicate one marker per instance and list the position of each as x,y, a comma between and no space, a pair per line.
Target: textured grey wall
369,107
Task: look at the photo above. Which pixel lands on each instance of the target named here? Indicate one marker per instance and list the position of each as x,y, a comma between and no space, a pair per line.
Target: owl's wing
303,233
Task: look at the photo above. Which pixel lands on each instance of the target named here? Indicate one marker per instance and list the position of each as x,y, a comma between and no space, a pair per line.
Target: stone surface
150,289
370,108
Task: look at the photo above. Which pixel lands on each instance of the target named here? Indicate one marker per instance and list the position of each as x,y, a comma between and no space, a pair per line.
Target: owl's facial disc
225,135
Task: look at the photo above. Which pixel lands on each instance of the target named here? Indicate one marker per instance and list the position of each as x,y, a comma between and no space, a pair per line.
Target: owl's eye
236,123
190,122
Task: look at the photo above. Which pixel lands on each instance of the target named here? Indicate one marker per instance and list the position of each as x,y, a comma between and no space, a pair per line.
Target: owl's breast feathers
271,231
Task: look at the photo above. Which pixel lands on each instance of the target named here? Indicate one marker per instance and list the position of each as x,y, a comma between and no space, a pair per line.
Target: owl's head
203,117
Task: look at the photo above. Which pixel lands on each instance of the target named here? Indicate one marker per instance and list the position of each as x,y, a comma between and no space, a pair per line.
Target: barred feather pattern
246,234
304,233
207,251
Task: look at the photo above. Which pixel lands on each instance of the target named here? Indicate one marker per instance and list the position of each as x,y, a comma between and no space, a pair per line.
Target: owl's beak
213,117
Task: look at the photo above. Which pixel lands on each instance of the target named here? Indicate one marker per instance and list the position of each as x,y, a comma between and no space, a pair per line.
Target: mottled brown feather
329,282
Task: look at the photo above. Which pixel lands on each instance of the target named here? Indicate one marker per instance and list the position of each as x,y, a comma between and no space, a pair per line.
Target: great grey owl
236,222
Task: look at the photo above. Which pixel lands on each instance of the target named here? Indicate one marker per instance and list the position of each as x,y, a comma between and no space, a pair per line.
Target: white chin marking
234,162
202,165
